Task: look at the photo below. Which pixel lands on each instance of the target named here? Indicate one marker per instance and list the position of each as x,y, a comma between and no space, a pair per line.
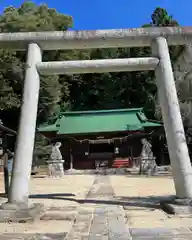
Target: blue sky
107,14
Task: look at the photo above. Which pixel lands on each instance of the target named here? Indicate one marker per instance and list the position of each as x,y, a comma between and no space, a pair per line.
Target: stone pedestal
148,165
10,212
178,206
55,168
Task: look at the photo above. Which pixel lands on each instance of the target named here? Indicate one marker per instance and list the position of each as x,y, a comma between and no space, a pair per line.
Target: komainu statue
148,163
56,162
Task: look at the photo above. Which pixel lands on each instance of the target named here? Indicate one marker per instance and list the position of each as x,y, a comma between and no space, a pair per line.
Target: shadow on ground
59,196
147,202
53,236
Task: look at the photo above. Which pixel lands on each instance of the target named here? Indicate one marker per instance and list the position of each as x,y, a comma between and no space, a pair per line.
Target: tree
123,89
29,17
113,90
74,92
184,88
42,150
161,18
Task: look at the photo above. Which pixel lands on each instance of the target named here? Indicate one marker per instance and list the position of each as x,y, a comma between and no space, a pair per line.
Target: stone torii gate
157,38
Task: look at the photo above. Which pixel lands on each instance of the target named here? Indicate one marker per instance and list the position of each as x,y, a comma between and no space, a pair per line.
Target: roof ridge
101,111
85,122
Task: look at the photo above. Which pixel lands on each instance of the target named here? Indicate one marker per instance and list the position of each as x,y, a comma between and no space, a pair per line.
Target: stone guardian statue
148,163
56,162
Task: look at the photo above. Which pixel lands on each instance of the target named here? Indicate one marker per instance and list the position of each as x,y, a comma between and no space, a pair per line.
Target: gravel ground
55,193
140,196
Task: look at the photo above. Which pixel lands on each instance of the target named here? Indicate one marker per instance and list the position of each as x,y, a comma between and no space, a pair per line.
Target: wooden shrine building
92,137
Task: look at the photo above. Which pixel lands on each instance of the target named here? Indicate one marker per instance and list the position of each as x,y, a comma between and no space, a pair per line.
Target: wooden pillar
5,165
6,174
71,159
1,153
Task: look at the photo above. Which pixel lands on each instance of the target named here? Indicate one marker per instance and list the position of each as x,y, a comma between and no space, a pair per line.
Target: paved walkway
104,222
107,221
107,208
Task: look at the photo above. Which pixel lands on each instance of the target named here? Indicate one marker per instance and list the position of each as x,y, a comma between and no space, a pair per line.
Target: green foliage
29,17
77,92
10,80
42,150
161,18
124,89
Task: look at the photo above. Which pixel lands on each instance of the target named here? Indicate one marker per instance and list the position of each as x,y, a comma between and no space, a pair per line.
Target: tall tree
77,92
161,18
29,17
54,90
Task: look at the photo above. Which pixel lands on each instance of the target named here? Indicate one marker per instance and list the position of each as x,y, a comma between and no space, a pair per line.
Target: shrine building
109,136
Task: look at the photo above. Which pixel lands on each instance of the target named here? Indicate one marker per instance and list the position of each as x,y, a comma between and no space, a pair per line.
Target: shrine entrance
158,38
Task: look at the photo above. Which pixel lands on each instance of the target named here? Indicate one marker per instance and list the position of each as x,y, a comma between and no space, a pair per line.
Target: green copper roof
84,122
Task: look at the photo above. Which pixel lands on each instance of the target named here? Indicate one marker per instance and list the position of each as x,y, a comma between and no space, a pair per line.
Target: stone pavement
102,207
105,222
108,221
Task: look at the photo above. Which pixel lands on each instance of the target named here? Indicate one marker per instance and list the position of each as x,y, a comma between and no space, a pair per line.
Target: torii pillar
19,188
175,134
